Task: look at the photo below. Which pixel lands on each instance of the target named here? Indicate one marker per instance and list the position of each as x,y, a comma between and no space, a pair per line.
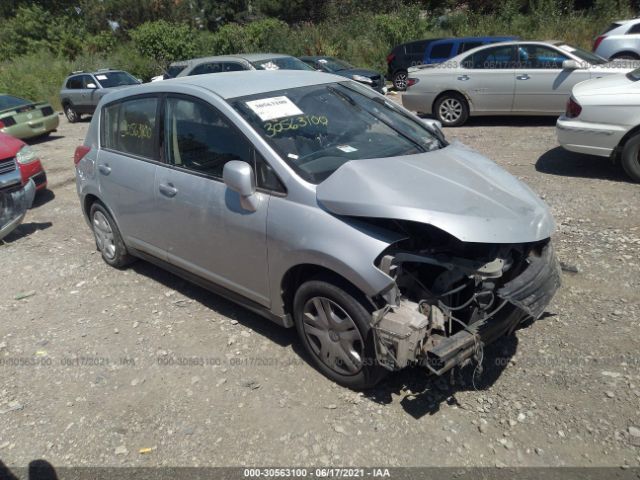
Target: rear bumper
33,128
589,138
418,101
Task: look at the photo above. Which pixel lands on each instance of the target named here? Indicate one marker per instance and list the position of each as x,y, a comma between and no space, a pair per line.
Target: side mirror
92,86
238,176
570,65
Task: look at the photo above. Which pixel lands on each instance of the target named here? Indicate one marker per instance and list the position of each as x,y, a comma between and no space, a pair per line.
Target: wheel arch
617,152
298,274
629,53
452,91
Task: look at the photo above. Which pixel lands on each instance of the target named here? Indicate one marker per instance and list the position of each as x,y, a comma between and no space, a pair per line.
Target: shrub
164,42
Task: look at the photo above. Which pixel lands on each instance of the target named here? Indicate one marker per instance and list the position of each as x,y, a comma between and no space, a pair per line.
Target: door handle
168,190
523,77
104,169
464,78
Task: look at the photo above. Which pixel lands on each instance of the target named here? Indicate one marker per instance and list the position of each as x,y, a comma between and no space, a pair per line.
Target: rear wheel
400,80
625,56
451,109
71,114
631,158
108,239
335,330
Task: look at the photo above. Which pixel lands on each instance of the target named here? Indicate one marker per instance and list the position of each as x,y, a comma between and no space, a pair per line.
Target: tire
451,109
399,80
340,345
71,114
108,239
630,159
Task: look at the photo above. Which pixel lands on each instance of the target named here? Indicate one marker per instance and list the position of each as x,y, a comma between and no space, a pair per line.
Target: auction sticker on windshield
274,107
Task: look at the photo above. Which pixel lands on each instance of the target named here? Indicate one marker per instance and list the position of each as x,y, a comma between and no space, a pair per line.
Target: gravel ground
140,368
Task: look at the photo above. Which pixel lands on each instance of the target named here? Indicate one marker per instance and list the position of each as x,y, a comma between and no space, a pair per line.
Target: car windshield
583,55
334,65
281,63
9,101
115,79
174,70
316,129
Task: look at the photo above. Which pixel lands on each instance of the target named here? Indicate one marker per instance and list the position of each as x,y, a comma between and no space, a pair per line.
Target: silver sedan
510,78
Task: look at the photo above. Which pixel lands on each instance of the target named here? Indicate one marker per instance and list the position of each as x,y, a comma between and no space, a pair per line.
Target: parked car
404,56
82,91
621,40
319,205
26,158
603,119
15,197
511,78
172,71
442,50
370,78
235,63
25,119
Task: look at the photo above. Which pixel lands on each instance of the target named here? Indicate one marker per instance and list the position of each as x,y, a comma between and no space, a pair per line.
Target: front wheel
631,158
452,110
335,330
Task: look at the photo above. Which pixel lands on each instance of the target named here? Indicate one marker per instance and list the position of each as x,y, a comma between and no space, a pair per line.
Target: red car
27,160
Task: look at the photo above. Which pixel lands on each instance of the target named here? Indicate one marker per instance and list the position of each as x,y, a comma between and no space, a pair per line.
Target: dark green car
23,119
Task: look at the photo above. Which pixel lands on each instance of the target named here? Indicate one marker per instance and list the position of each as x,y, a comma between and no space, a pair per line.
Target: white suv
621,40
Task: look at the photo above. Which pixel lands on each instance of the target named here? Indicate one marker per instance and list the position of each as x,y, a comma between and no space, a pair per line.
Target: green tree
164,42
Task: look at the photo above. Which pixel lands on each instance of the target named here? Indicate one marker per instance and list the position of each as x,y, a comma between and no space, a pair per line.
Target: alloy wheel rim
104,235
71,115
401,81
450,110
333,336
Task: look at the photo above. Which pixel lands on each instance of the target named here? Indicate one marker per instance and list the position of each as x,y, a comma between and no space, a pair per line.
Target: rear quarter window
442,51
130,127
635,29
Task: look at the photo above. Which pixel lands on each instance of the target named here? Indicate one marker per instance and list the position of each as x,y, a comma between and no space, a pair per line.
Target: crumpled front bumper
533,289
13,207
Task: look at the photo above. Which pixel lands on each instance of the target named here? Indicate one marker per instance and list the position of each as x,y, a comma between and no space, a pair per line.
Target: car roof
256,57
238,84
217,58
470,39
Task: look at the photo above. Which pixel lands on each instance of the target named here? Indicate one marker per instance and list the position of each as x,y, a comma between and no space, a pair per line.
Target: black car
333,65
404,56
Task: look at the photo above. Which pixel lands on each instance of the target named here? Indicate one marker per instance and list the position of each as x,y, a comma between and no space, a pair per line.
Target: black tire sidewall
630,161
121,258
465,110
371,373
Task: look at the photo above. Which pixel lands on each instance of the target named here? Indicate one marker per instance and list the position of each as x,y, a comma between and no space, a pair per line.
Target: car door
210,234
87,92
127,166
488,79
542,85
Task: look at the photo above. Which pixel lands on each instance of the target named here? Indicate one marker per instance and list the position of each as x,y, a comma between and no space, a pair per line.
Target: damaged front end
450,298
14,203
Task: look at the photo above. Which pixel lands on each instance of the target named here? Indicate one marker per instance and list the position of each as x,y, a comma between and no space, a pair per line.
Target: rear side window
232,67
442,51
491,58
207,68
466,46
634,29
74,83
199,138
130,127
613,26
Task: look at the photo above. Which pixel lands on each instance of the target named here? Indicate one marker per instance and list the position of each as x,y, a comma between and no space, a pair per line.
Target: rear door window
75,83
493,58
204,68
130,127
466,46
232,67
442,50
634,29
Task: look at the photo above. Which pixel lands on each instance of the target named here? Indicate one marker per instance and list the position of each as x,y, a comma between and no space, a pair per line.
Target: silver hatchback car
317,203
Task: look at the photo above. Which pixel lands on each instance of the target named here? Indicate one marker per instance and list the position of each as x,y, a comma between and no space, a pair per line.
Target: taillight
412,81
390,57
598,41
81,151
2,125
573,108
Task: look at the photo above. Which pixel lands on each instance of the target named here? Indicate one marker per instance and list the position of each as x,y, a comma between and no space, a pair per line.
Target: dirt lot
111,362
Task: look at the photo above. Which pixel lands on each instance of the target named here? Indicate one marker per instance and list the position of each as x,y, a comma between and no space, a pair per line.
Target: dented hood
454,189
